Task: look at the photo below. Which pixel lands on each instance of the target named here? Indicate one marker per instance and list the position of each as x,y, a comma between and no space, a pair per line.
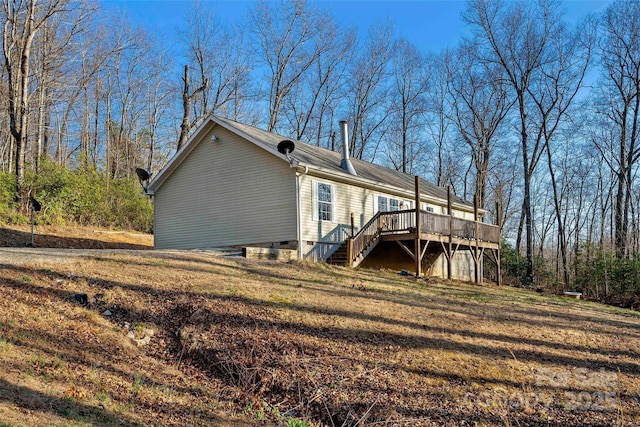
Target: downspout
299,212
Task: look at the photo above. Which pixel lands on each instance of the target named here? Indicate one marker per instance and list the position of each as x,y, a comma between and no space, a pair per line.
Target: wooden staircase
339,257
359,257
361,244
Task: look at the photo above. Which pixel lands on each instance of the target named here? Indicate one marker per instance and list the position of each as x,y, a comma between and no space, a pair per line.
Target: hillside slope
73,237
220,340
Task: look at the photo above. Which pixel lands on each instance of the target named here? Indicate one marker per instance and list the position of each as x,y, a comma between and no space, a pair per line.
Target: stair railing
381,222
363,238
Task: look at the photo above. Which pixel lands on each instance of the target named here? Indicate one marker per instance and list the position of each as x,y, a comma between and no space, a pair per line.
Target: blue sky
429,24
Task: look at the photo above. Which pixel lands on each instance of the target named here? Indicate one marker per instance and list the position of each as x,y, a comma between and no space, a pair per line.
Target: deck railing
364,237
489,233
399,222
433,223
463,228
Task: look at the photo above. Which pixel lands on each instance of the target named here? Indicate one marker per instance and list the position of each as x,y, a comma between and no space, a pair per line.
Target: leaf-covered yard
239,342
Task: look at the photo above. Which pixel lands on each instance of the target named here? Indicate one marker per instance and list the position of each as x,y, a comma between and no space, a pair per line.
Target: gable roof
316,159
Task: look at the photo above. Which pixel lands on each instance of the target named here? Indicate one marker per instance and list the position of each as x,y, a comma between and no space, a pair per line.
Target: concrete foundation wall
270,253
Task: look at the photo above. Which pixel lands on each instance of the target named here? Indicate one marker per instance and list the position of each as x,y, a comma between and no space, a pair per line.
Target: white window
383,204
324,201
387,204
429,209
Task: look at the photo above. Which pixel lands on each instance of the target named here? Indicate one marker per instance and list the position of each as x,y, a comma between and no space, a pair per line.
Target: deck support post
449,260
352,225
418,251
350,252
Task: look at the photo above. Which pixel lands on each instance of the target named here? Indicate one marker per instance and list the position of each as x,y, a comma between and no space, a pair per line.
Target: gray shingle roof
314,156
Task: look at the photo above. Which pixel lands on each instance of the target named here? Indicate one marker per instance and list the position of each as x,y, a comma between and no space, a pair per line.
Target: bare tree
289,42
620,106
6,139
520,38
22,21
481,102
158,96
368,89
187,99
553,91
437,119
69,58
314,98
91,59
134,96
408,87
219,55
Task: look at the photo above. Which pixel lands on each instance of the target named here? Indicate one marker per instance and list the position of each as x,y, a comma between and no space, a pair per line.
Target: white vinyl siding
345,199
363,202
226,193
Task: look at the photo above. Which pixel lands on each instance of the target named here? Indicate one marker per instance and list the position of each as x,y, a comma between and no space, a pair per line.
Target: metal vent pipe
346,162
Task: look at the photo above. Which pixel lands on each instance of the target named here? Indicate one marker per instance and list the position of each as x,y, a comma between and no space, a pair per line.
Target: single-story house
234,185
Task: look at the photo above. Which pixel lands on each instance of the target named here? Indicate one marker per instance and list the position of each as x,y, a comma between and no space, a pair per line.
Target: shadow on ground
19,239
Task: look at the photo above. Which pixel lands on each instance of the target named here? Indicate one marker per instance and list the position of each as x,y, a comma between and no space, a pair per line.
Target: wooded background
529,111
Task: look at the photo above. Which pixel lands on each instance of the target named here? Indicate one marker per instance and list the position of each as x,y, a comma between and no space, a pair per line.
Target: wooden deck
451,232
400,225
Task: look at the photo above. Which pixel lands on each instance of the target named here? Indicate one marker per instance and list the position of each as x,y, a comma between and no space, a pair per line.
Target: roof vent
346,163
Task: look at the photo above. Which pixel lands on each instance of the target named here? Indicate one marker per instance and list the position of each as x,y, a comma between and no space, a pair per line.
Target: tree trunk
526,203
187,98
186,110
562,240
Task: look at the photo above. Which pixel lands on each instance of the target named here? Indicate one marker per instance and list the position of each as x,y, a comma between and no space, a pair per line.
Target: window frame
387,202
317,204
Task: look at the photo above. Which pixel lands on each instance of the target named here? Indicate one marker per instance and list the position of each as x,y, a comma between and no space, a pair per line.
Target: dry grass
241,342
78,237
